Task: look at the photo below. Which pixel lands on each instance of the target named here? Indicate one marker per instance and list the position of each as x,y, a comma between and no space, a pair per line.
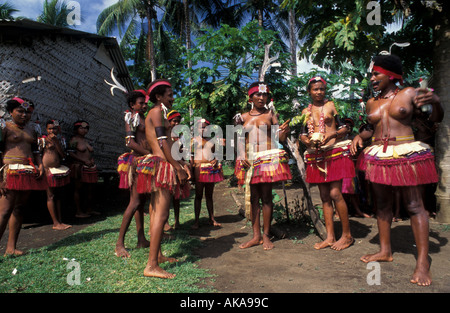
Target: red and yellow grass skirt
23,177
207,173
408,164
58,176
331,163
153,172
127,169
268,167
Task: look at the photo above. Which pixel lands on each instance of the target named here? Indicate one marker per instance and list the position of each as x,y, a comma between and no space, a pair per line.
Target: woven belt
386,140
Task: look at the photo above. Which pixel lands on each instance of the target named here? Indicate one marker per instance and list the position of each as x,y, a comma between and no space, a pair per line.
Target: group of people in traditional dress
35,162
392,161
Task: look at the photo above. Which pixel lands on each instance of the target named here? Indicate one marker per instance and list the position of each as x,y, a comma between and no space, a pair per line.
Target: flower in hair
262,88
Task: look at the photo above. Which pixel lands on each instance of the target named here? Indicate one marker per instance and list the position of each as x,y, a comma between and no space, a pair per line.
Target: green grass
46,270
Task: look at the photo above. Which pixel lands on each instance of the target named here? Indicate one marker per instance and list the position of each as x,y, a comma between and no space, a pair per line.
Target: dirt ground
293,266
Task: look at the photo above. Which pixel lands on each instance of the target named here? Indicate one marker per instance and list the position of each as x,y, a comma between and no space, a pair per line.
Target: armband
367,127
160,132
339,123
304,130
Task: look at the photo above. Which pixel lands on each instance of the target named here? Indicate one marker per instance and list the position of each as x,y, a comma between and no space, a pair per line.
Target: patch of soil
294,266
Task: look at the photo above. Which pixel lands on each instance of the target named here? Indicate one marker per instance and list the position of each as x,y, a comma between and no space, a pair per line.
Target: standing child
207,172
22,169
159,173
260,164
136,141
83,168
174,118
58,175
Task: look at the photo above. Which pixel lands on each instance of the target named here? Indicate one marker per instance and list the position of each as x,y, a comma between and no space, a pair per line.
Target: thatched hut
72,66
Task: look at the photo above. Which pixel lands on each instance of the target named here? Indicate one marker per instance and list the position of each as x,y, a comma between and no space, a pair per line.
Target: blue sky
90,9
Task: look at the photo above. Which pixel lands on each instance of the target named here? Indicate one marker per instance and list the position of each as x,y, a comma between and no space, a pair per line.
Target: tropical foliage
54,13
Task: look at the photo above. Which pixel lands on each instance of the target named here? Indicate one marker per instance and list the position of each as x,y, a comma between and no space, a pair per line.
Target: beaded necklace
311,121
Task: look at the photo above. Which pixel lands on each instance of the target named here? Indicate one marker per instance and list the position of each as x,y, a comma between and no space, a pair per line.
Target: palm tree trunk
150,44
187,28
292,42
441,68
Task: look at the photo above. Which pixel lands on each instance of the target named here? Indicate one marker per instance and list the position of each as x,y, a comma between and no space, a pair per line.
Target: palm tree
6,11
54,13
126,17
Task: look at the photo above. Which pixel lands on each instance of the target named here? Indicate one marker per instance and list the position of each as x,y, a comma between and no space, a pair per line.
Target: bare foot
342,243
121,252
379,257
214,223
253,242
195,226
163,259
324,244
267,244
61,226
143,244
167,227
82,215
157,271
421,275
14,252
359,213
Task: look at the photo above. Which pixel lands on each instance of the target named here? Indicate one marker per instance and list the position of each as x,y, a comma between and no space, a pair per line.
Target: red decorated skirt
58,176
83,173
126,166
207,173
268,167
408,164
331,163
23,177
153,172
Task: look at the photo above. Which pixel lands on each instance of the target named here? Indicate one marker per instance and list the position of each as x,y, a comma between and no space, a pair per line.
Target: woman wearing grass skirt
127,162
328,161
159,173
260,163
395,162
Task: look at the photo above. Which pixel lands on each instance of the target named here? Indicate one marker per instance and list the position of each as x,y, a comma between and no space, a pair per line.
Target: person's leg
328,212
383,196
341,207
130,211
90,198
15,221
142,242
267,209
412,199
255,218
198,203
6,208
209,192
160,204
52,208
176,212
77,190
